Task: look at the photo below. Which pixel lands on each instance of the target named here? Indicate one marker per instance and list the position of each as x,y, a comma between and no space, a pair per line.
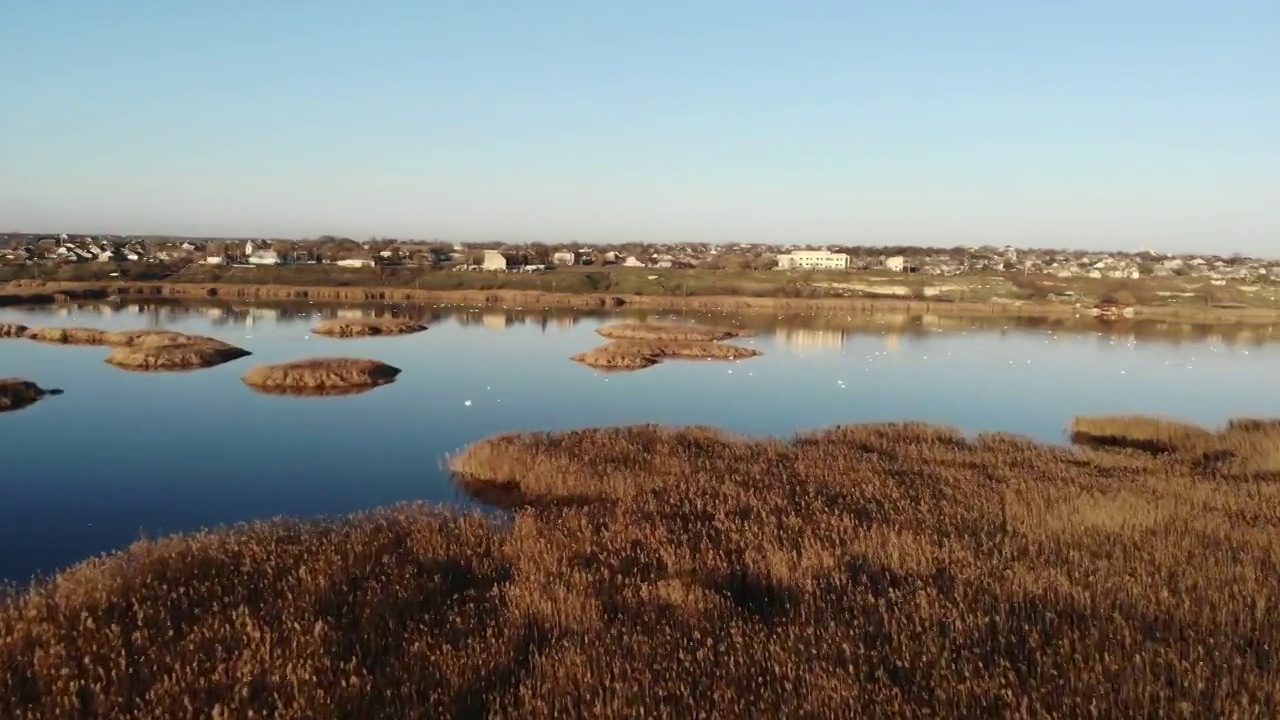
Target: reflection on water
799,331
128,453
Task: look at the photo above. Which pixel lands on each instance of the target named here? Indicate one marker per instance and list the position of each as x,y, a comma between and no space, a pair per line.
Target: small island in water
636,346
16,393
321,376
368,327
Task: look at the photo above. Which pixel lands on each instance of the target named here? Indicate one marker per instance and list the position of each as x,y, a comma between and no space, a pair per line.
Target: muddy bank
321,376
16,393
368,327
670,332
13,330
640,354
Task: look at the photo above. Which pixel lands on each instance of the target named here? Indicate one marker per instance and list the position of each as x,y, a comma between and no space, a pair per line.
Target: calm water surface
123,455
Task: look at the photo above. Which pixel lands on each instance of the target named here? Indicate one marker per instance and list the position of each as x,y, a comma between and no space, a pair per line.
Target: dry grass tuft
321,376
13,330
368,327
16,393
670,332
639,354
864,571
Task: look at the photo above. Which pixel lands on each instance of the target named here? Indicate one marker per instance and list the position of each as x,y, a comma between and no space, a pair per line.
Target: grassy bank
999,293
866,571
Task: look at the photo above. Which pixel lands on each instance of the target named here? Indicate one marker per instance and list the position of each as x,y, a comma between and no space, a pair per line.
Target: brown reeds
16,393
368,327
321,376
669,332
866,571
13,330
640,354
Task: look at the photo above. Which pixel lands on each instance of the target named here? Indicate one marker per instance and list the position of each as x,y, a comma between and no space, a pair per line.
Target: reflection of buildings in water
805,339
892,341
350,313
215,313
495,320
566,321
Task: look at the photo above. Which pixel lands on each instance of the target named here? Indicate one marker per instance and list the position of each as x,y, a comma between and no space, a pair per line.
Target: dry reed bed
321,376
16,393
640,354
670,332
866,571
13,330
369,327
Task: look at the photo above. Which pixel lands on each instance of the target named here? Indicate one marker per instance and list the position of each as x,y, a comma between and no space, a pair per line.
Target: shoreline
34,293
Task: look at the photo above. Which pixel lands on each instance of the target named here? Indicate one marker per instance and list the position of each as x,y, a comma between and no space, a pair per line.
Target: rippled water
122,455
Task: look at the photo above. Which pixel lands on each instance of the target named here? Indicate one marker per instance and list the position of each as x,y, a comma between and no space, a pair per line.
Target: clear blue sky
1114,124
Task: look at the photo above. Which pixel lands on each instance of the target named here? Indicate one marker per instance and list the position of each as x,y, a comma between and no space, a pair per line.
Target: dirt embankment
13,330
368,327
16,393
636,346
321,376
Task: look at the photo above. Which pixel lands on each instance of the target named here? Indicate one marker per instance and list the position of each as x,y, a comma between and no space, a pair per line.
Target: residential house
896,263
494,260
564,257
356,262
813,260
264,257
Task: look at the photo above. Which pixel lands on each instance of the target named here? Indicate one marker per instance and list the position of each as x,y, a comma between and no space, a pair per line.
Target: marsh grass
645,572
321,376
368,327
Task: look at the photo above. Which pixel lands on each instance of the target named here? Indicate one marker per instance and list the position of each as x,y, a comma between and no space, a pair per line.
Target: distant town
40,249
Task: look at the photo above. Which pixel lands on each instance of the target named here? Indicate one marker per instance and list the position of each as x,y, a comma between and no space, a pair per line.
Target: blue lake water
123,455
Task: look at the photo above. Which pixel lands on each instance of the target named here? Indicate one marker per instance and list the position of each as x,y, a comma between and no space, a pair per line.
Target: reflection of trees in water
800,330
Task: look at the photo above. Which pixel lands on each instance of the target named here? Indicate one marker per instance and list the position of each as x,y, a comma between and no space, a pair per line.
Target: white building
813,260
494,260
896,263
564,257
355,262
264,257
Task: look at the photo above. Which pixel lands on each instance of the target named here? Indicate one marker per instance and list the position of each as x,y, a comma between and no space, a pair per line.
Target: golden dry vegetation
898,571
16,393
670,332
367,327
321,376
